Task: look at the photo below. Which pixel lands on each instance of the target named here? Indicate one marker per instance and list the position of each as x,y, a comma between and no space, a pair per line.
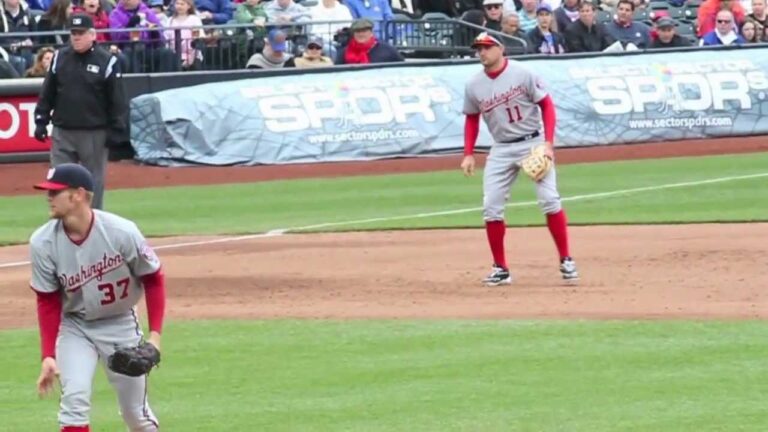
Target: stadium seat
641,15
604,17
437,16
658,5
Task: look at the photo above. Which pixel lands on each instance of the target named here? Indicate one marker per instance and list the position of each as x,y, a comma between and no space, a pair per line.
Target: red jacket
100,22
708,12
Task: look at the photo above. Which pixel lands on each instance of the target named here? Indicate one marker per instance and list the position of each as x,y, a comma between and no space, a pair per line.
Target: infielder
89,270
509,97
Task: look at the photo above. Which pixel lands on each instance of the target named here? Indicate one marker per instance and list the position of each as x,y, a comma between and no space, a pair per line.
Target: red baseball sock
75,429
495,231
558,227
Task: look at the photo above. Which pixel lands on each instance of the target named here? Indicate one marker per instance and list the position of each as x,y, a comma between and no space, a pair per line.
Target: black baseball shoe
568,270
499,276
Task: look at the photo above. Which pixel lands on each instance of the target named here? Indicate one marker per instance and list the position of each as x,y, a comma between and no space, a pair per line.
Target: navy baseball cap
66,176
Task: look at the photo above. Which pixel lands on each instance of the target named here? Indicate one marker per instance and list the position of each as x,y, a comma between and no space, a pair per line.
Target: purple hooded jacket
119,18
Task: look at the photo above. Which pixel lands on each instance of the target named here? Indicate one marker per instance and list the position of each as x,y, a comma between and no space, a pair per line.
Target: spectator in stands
758,14
724,32
544,39
39,5
626,30
286,12
567,13
375,11
666,36
312,56
55,19
586,34
510,24
185,15
251,12
274,54
493,10
214,11
337,16
364,47
527,14
100,18
144,47
18,20
709,10
158,7
751,32
42,62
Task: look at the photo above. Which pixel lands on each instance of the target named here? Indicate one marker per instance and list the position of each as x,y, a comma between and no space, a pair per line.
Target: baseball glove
134,361
537,164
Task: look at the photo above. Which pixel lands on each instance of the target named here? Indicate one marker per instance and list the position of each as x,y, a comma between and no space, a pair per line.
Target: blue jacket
712,39
221,9
42,5
374,10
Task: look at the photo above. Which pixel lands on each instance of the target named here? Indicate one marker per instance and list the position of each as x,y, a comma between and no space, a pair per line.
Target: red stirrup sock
495,231
75,429
558,227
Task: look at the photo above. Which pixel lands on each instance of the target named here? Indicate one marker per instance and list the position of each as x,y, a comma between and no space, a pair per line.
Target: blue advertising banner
416,111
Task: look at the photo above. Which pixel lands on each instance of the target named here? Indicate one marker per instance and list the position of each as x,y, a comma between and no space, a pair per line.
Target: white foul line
279,232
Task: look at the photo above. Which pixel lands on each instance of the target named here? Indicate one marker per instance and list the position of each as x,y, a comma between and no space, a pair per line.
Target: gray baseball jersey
508,102
100,276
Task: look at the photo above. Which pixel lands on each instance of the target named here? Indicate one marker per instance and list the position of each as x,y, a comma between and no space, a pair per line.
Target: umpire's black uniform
85,91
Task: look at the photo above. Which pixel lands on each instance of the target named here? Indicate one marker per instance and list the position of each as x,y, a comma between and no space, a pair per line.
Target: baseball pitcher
513,103
89,270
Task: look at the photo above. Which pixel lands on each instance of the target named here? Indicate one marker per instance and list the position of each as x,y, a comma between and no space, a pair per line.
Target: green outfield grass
431,376
257,207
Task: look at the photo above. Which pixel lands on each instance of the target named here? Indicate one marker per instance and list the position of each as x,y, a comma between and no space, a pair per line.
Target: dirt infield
641,272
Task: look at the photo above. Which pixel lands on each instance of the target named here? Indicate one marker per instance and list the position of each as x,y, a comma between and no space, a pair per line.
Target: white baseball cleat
568,270
499,276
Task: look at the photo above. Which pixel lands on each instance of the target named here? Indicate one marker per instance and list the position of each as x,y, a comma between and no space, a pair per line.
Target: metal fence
230,46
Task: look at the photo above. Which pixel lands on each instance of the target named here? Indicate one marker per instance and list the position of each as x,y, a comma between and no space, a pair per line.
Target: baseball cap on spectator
544,8
276,39
361,24
66,176
484,39
155,3
492,2
665,22
315,41
80,22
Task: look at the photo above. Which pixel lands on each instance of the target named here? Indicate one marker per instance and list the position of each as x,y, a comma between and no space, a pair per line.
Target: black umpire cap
67,176
80,22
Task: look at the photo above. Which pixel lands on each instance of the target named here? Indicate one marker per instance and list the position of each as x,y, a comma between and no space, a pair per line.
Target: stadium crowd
169,35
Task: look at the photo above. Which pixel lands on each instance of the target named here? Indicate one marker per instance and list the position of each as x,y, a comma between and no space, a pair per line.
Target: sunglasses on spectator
723,21
493,6
314,47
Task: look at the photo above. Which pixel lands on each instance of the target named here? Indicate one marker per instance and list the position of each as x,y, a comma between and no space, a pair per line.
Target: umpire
84,89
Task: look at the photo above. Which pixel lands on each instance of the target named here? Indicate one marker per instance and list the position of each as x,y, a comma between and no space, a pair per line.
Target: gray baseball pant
86,147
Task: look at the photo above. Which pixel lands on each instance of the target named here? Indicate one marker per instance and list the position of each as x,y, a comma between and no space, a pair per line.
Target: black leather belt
522,138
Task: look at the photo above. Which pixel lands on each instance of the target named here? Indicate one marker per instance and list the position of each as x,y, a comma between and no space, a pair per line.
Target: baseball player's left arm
548,116
144,263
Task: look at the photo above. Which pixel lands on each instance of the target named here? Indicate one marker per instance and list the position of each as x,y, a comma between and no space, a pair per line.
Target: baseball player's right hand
41,133
49,372
468,165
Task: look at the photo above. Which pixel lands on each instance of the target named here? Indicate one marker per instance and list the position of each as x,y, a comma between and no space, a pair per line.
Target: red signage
17,126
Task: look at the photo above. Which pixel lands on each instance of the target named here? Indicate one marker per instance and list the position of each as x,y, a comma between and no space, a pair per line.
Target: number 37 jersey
507,102
98,277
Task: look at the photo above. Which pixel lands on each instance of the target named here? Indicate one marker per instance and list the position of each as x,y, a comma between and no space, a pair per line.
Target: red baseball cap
484,39
66,176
